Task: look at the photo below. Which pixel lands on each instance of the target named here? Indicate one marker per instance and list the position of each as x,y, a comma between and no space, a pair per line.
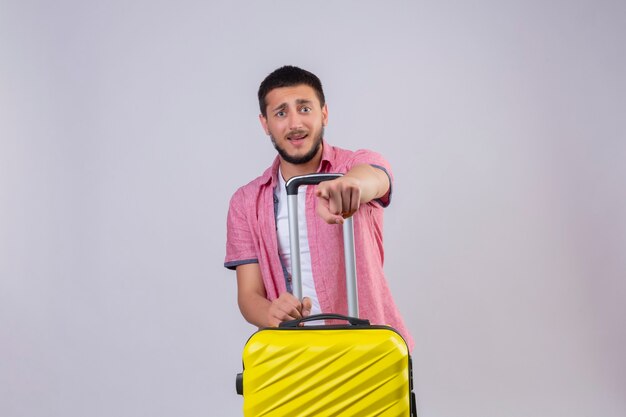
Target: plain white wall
125,126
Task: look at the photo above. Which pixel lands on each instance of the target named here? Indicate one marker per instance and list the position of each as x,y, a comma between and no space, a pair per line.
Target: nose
295,121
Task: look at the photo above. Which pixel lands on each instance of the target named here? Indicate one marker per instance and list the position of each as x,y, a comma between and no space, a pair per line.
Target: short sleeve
240,242
363,156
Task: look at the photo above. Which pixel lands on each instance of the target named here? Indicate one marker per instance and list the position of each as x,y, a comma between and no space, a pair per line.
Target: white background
125,126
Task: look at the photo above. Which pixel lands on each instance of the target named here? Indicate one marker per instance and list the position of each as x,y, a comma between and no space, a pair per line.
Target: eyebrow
299,101
279,107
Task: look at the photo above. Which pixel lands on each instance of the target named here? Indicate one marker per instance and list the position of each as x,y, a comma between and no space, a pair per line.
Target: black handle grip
239,384
352,320
311,179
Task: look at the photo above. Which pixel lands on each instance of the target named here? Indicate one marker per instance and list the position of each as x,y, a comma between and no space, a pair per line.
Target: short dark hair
289,76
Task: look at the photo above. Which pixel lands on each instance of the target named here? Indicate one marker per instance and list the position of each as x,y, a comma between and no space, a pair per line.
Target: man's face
295,122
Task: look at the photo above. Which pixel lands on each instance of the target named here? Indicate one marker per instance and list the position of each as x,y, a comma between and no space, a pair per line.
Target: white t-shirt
282,223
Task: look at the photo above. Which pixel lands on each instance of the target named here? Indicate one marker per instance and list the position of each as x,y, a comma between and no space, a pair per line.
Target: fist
338,199
287,307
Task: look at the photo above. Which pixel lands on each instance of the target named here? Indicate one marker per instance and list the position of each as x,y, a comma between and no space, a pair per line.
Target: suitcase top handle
352,320
348,240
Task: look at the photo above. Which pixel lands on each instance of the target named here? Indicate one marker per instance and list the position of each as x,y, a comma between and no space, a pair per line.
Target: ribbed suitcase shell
326,371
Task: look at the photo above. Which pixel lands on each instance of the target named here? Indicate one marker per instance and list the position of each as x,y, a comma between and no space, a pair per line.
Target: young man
293,115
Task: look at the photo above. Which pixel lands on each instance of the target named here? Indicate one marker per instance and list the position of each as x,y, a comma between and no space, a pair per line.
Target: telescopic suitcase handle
294,239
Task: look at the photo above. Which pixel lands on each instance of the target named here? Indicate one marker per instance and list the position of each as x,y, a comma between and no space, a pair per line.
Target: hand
338,199
287,307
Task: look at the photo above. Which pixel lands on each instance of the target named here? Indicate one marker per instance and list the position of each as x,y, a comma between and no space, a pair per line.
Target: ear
263,121
325,115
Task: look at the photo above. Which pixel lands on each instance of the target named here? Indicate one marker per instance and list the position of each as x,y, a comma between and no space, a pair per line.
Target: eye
280,114
305,109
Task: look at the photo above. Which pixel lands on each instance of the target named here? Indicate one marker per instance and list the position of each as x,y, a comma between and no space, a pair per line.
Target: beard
303,159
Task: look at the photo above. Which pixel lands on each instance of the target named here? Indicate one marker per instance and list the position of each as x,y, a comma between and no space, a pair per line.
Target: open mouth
297,137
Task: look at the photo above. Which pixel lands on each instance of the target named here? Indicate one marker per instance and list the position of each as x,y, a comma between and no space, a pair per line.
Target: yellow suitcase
347,369
336,370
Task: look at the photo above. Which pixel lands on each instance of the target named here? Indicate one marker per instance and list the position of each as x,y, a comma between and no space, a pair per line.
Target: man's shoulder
253,187
346,156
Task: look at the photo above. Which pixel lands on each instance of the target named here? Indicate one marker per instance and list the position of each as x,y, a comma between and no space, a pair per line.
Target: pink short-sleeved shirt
252,238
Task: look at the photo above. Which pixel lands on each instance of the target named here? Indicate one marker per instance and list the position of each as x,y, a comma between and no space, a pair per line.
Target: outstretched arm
257,309
342,197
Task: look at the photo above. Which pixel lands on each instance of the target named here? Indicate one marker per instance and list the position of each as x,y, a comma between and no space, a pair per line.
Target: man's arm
257,309
341,198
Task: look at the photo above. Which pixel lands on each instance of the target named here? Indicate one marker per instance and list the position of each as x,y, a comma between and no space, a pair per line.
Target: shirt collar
328,156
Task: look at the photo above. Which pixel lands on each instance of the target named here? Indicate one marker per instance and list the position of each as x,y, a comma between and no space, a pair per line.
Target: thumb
321,192
306,306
